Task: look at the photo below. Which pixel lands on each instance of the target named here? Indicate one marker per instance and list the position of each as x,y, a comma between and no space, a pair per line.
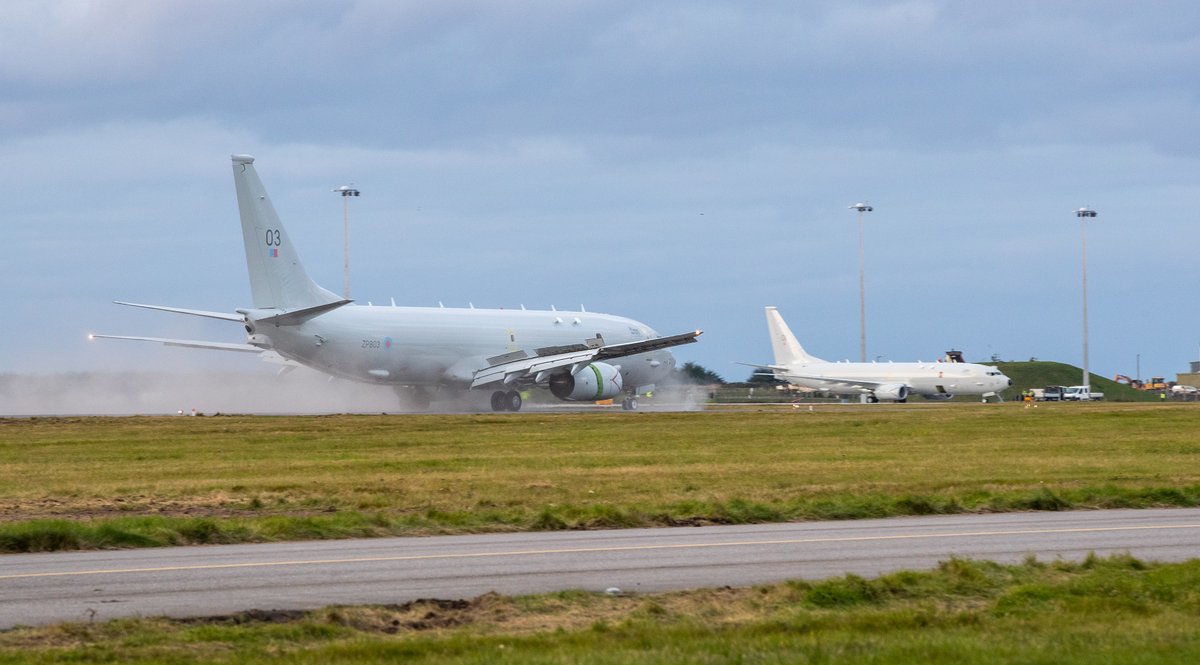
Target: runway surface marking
589,550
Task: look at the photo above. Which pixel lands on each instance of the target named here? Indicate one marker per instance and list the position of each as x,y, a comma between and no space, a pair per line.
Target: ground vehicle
1051,394
1081,394
1136,384
1156,383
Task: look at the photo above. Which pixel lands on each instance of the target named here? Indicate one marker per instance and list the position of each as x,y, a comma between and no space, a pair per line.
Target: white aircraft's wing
194,312
193,344
839,380
834,381
521,366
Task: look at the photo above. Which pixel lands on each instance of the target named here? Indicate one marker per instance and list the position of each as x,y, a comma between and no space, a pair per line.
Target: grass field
1115,610
70,483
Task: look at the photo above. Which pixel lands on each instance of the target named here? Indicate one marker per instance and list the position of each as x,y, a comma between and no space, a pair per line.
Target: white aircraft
877,381
579,356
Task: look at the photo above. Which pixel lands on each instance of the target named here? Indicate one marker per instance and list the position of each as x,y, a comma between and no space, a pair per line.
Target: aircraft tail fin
783,343
277,278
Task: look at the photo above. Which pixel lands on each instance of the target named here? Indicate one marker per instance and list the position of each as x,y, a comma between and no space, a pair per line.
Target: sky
684,163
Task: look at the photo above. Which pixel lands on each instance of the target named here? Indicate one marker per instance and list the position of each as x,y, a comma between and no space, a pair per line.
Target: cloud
683,163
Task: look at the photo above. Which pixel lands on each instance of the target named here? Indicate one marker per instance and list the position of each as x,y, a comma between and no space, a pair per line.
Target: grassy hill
1039,374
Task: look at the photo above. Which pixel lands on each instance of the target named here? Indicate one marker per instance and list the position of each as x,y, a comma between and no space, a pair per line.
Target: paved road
211,580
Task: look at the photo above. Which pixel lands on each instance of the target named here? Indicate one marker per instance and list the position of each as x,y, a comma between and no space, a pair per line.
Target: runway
211,580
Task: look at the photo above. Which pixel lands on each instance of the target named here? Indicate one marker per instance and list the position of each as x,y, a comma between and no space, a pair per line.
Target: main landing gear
629,403
506,401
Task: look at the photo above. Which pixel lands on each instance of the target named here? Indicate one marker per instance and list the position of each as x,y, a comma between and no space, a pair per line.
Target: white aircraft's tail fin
277,278
783,343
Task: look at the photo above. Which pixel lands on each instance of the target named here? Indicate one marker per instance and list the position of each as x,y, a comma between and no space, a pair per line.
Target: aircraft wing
642,346
838,380
834,381
521,366
193,344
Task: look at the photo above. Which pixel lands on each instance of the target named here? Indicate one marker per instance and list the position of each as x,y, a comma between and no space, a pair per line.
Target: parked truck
1049,393
1081,394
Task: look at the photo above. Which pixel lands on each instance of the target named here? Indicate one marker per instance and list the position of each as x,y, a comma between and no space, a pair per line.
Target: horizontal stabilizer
773,368
299,316
193,312
192,344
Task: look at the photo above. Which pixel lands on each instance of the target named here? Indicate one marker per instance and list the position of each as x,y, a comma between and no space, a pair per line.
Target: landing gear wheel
420,400
512,400
629,404
498,401
871,399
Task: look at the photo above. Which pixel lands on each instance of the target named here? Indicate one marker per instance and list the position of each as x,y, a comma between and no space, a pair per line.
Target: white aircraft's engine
938,397
594,382
893,391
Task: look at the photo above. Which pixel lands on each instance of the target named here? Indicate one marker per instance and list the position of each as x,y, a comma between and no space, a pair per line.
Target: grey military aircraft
578,356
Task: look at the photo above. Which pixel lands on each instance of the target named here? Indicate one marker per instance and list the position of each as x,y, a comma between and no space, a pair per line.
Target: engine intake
595,382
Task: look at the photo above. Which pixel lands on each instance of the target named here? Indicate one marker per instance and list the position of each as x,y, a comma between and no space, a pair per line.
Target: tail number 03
273,238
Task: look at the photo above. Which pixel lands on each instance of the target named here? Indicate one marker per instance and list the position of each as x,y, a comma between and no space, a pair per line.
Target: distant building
1192,378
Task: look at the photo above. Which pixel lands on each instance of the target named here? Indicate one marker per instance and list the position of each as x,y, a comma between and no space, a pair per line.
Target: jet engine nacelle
892,391
938,397
594,382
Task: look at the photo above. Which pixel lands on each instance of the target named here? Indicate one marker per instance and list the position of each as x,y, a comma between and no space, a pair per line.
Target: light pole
1084,214
862,290
346,191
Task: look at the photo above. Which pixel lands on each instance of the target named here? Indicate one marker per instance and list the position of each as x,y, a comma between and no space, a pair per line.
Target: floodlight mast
862,290
346,191
1084,214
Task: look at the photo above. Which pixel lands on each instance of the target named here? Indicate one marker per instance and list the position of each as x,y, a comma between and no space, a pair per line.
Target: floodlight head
861,207
346,190
1085,212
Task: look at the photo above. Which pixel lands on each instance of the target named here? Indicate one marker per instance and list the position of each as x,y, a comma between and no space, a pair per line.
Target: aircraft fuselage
435,346
932,378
